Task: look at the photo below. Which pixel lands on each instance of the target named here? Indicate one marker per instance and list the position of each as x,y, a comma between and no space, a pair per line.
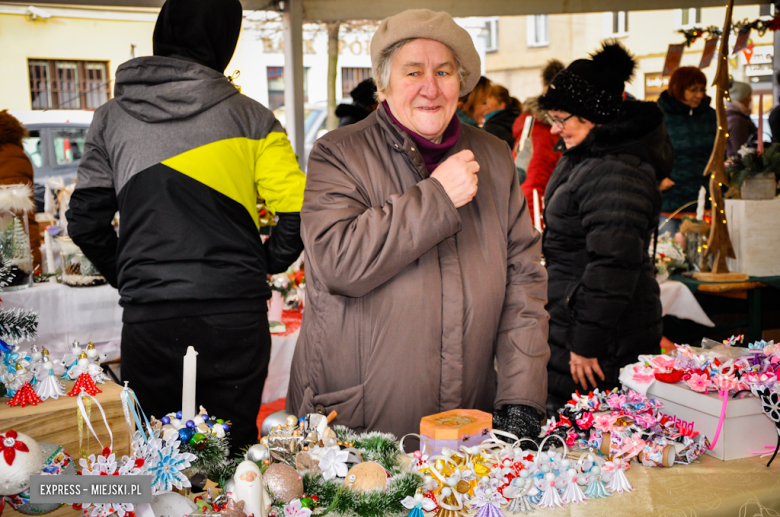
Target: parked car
314,118
54,145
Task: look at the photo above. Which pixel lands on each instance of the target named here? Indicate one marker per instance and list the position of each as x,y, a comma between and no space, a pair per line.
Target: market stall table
751,290
67,314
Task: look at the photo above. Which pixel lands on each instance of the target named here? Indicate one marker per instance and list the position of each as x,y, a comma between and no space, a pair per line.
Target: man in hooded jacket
182,156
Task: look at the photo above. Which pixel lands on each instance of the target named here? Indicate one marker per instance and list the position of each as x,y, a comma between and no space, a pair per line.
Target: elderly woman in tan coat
425,288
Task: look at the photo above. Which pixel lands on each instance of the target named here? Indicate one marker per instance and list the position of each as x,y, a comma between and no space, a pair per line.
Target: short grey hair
382,78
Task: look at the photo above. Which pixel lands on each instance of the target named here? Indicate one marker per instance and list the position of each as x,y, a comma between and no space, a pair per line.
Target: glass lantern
77,269
16,270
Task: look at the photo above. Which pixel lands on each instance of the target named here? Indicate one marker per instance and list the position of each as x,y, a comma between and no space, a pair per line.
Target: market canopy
352,10
296,12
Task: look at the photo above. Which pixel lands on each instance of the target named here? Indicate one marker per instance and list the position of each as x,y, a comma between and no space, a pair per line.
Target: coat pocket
348,404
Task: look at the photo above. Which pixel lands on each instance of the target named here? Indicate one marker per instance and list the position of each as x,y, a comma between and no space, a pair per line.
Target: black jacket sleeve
93,205
285,244
89,225
616,210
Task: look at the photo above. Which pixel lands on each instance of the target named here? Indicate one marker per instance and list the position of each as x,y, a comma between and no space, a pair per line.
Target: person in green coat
692,125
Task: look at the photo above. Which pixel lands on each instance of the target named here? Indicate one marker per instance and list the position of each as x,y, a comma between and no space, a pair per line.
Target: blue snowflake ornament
166,464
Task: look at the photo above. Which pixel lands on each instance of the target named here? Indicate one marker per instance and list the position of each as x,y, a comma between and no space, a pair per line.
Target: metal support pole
293,75
754,315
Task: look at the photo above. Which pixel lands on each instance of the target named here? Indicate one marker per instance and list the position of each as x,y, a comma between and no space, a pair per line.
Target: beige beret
424,23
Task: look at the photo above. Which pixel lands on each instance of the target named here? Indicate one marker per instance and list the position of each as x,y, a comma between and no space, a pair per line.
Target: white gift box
754,229
745,428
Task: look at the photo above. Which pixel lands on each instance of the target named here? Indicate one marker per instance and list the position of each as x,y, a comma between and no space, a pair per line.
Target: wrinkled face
423,89
572,129
694,94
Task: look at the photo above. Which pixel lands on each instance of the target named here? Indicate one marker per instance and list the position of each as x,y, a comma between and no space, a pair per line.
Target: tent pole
293,75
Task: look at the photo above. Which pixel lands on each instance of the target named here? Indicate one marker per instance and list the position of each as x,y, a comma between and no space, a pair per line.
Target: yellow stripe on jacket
241,168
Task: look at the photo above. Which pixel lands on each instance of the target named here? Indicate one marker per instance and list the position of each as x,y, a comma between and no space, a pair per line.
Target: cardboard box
55,421
754,229
454,428
745,427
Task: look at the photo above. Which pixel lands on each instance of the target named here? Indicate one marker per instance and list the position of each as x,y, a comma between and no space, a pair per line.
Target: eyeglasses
558,121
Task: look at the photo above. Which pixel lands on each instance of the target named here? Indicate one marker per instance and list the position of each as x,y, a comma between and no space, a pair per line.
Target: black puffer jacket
602,209
500,124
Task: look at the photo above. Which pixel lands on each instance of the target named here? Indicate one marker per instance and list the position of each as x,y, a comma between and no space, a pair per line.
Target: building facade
526,43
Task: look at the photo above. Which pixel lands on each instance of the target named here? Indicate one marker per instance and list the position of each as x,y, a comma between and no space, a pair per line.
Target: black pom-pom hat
592,88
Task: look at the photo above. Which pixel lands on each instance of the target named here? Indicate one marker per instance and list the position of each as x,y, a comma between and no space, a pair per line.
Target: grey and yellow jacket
182,156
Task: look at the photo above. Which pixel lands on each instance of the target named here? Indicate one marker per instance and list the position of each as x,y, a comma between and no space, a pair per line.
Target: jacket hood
673,106
531,105
159,89
205,31
638,130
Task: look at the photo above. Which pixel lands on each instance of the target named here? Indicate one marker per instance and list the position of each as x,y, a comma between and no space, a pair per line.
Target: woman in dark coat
503,111
692,125
601,213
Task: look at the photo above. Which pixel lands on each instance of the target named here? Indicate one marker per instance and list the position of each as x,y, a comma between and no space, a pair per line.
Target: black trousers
233,354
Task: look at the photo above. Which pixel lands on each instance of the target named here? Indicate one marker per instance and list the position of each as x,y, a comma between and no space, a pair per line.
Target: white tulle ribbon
83,411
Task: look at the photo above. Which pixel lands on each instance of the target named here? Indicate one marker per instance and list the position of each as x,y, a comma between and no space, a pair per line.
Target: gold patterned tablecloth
707,488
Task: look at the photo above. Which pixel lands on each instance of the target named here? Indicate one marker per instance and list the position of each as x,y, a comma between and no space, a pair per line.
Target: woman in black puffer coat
602,209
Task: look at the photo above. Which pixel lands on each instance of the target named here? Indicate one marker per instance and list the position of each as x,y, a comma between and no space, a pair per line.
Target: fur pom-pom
614,60
16,198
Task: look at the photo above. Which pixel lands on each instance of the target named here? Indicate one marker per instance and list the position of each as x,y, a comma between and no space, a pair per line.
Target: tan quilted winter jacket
410,301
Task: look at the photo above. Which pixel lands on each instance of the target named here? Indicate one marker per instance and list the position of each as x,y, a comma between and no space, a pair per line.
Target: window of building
538,30
491,41
275,77
351,77
766,10
616,23
68,84
686,18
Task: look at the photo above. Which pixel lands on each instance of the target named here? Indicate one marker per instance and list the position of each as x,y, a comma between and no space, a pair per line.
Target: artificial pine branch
18,325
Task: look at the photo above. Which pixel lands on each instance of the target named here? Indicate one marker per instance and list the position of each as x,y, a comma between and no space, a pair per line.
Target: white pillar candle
188,386
700,204
537,214
49,253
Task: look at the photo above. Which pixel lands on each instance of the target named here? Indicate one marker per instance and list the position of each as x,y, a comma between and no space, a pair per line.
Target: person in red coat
16,169
543,158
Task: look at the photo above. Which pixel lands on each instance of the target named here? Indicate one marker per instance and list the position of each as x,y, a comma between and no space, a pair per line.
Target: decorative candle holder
17,266
77,269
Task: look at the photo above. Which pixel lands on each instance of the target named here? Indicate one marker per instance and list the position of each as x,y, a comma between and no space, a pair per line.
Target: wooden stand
720,277
55,421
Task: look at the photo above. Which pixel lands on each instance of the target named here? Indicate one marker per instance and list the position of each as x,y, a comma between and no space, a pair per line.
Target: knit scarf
430,151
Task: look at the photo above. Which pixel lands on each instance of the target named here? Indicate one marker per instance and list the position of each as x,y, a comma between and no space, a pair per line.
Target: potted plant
752,174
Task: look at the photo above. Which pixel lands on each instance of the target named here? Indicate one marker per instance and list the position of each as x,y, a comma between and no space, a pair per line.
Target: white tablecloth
67,314
282,349
677,300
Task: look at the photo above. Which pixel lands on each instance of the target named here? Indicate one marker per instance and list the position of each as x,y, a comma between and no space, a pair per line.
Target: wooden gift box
55,421
454,428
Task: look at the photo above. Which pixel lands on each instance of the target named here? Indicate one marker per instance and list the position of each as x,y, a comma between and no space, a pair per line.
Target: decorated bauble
185,434
199,441
284,482
292,421
273,420
172,504
56,462
366,476
20,458
258,453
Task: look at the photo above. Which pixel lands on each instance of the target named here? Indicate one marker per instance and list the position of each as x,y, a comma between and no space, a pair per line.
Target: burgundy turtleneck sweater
430,151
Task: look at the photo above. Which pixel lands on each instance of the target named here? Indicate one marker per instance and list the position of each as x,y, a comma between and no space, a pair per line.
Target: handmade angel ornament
619,483
250,488
48,385
418,504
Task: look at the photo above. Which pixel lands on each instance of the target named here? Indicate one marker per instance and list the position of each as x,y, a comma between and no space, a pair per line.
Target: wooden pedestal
55,421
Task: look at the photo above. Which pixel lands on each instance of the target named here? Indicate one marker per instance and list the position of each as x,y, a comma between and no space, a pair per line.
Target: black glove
521,421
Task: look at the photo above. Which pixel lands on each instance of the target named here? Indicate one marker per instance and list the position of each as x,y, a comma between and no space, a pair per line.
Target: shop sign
655,83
